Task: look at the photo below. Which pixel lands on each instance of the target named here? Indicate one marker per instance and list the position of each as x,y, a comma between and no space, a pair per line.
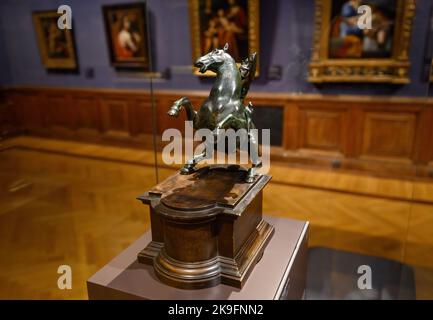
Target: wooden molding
377,134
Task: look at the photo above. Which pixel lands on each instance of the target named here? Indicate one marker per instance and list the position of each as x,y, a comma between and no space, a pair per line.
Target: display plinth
207,227
280,274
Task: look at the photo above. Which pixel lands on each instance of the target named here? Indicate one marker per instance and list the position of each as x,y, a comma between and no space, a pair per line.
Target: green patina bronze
224,108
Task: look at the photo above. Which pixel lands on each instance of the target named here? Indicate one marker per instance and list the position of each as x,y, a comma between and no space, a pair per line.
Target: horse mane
248,73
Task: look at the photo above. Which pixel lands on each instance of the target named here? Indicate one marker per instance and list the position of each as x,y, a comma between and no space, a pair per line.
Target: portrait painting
217,22
126,29
56,46
362,41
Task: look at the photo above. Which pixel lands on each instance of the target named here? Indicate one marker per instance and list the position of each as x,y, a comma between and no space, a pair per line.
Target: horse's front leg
191,114
177,105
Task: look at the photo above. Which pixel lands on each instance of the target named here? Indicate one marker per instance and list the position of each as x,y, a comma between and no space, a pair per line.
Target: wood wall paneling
115,117
58,113
8,118
88,114
140,117
385,135
29,110
291,126
323,129
389,135
425,147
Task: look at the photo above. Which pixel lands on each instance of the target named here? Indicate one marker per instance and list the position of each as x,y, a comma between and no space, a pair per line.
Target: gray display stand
280,274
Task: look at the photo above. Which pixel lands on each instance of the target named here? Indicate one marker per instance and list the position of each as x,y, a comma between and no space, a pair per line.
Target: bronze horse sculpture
224,108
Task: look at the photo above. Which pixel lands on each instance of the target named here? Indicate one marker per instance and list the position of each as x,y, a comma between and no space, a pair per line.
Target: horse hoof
187,170
172,113
250,179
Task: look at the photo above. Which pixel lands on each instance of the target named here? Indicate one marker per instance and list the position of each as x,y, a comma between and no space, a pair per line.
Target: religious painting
362,41
217,22
56,46
348,40
126,29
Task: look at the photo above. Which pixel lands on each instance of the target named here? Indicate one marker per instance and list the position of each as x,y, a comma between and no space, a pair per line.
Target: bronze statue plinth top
218,187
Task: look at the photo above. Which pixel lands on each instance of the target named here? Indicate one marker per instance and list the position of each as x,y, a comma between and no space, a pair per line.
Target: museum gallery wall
286,37
105,97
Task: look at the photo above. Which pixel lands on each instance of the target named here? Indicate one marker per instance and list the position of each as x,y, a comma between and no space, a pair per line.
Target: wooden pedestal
207,228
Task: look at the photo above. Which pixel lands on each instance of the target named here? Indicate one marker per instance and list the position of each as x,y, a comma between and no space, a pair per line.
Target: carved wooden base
207,228
210,272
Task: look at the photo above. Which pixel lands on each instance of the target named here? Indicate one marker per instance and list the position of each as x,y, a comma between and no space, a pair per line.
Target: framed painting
56,46
127,36
217,22
345,50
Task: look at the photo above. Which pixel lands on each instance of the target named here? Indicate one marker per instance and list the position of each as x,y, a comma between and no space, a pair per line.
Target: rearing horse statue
224,108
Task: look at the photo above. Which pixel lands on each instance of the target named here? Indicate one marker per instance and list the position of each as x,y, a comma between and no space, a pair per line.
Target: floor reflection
334,274
75,204
57,210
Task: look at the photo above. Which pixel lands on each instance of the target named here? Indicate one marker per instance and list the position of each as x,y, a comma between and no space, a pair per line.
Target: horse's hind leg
189,166
255,160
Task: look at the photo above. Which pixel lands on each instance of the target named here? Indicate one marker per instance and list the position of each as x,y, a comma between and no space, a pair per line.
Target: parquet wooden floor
73,203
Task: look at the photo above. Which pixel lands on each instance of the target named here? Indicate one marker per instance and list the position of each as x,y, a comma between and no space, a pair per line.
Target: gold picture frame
390,69
56,46
250,35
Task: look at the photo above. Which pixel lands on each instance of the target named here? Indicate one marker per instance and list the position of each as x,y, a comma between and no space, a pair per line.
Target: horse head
213,60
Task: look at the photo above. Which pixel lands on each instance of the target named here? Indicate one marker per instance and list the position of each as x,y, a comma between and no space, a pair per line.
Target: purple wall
286,31
5,76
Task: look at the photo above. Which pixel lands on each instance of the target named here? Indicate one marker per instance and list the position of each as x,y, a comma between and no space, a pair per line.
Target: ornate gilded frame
54,63
390,70
253,33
